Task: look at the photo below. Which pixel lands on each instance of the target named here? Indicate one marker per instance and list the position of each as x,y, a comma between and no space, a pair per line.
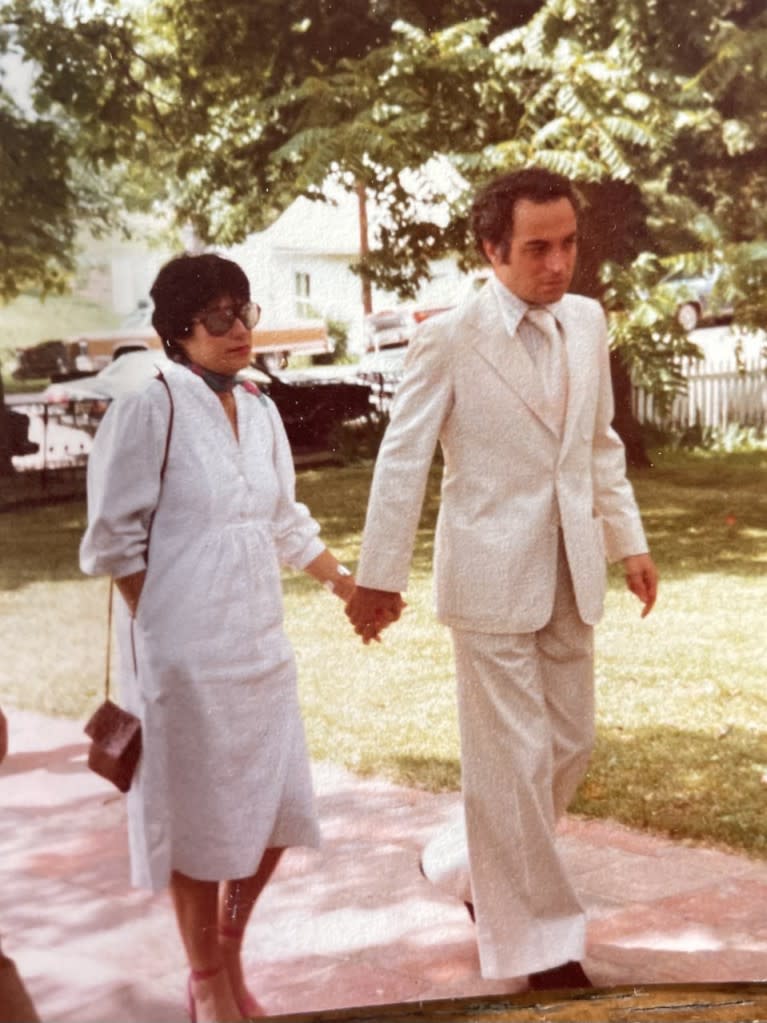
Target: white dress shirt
546,351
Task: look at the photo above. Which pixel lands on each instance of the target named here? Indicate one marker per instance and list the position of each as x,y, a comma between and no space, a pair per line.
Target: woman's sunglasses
220,321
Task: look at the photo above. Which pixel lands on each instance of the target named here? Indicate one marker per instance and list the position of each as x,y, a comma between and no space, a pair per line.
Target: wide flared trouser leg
526,713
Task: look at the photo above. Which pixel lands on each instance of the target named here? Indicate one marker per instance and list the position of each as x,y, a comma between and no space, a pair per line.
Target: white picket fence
718,395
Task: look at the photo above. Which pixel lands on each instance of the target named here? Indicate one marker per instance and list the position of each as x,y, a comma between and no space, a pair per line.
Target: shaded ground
353,924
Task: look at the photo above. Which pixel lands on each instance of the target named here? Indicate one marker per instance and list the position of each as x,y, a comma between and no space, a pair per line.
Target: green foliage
38,204
61,153
729,440
338,332
644,327
230,112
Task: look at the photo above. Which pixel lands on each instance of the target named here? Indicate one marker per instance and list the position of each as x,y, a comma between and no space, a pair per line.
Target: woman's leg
236,904
196,905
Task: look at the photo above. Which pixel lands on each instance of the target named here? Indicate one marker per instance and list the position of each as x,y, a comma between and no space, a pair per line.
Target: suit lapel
506,355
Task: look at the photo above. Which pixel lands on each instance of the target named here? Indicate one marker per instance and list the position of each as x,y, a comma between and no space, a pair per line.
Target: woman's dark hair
185,287
492,212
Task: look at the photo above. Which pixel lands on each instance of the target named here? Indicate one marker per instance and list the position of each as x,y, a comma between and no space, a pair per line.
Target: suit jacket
509,480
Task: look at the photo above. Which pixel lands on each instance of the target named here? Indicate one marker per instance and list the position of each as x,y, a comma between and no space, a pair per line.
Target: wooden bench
666,1003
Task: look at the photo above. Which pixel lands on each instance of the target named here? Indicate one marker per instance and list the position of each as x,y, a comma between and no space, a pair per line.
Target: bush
721,440
338,332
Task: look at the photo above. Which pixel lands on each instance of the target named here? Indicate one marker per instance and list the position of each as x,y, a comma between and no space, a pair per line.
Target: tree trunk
613,226
625,423
6,465
367,291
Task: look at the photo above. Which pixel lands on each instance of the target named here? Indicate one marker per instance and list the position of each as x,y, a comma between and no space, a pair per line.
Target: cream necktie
551,362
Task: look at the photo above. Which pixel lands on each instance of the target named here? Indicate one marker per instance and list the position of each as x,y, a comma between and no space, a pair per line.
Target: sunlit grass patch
681,698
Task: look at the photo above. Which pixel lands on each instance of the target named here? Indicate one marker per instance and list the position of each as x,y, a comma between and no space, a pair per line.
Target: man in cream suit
515,386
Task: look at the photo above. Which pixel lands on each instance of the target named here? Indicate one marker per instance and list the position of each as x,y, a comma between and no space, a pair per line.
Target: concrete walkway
354,924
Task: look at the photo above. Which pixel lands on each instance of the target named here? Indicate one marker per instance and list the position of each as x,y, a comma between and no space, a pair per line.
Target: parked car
382,372
41,360
310,407
697,301
125,373
18,433
393,328
82,354
274,343
85,354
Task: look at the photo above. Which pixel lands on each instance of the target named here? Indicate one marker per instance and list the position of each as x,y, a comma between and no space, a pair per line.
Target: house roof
330,228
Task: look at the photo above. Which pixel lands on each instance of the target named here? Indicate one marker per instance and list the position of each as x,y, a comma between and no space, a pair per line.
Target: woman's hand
130,587
332,575
343,586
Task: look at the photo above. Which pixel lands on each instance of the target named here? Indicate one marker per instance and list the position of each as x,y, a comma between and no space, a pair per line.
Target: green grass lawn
682,710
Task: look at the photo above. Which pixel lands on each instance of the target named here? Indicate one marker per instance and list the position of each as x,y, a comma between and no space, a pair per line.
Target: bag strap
163,467
109,638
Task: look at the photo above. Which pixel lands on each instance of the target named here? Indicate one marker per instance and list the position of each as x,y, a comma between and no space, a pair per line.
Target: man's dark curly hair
185,287
492,212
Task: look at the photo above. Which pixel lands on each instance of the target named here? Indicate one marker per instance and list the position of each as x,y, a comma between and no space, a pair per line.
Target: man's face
542,249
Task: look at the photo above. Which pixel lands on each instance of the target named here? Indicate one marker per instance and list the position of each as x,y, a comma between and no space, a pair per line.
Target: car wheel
688,315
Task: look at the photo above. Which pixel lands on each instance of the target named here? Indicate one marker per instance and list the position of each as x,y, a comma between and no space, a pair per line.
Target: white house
299,268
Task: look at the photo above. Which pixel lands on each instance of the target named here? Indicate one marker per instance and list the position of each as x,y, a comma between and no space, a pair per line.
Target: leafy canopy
231,111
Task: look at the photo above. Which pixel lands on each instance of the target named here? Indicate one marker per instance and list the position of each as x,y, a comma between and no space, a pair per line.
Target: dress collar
222,383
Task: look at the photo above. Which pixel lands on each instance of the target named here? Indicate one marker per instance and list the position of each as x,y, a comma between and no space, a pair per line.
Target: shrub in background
338,332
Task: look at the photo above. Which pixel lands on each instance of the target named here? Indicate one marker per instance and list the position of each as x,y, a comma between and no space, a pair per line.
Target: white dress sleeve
295,531
124,483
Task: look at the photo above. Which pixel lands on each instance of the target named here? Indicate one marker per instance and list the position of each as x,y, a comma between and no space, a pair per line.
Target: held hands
371,611
642,579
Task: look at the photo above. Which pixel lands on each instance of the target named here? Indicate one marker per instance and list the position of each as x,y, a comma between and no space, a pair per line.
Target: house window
303,296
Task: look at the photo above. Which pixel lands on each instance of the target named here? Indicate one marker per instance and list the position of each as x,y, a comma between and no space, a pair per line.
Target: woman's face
226,353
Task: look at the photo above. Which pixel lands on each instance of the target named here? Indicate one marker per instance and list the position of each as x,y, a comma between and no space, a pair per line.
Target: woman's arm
326,569
124,484
296,531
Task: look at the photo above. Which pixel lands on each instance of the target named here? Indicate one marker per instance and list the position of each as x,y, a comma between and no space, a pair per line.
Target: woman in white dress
224,784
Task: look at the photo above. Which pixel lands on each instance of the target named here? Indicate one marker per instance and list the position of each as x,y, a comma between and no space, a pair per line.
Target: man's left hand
370,611
642,579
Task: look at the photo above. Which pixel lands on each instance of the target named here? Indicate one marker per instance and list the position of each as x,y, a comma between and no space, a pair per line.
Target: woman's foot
230,943
211,999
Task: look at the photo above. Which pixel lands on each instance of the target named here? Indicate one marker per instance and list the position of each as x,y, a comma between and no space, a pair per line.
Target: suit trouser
526,715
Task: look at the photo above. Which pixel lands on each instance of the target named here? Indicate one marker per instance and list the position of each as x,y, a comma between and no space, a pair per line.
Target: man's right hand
370,611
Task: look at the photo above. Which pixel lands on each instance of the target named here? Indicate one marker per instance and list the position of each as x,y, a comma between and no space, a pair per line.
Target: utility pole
367,291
